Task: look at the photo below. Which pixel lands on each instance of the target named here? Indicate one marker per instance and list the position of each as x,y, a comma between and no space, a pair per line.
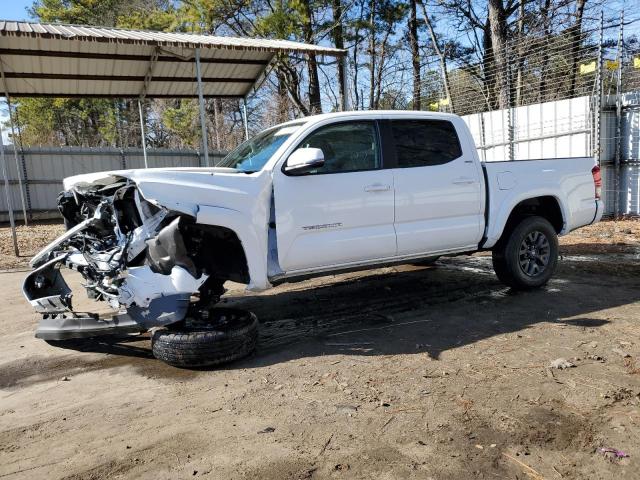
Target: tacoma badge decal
324,225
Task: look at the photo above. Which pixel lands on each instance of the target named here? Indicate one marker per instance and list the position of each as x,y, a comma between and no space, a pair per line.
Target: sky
15,9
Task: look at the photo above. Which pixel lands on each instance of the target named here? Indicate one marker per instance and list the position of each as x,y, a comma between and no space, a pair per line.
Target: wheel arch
546,206
251,240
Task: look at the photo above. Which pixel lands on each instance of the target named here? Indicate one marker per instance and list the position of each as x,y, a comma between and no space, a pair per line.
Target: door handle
377,187
463,181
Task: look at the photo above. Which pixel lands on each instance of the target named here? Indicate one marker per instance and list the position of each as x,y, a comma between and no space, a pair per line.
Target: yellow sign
444,102
586,68
611,64
636,62
433,106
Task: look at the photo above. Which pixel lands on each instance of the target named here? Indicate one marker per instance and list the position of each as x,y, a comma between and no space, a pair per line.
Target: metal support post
245,118
483,139
510,109
8,196
203,119
15,150
142,135
618,148
598,94
145,87
346,104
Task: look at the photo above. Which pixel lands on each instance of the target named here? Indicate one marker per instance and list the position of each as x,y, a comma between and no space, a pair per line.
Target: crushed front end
131,253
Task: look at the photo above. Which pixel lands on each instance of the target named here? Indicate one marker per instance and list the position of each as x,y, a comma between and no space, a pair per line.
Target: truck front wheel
528,255
222,336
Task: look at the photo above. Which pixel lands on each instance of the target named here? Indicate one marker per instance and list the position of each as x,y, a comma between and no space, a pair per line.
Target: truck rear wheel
227,335
527,257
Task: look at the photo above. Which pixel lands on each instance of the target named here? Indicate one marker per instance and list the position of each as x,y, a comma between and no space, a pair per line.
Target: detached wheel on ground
227,335
528,256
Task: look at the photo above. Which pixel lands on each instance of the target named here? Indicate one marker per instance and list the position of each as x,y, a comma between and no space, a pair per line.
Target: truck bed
568,178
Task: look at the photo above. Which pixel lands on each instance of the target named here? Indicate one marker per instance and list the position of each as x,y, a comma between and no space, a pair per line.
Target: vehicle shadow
431,310
586,248
126,345
407,310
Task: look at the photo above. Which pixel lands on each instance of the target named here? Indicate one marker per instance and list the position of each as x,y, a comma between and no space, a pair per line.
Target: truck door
438,189
339,213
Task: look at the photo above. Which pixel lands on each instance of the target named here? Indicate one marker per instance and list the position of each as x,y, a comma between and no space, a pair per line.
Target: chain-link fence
574,93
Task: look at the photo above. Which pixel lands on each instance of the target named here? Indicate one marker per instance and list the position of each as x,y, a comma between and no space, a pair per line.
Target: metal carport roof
84,61
52,60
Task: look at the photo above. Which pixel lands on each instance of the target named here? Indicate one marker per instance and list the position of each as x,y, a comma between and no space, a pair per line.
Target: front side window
252,155
347,147
421,143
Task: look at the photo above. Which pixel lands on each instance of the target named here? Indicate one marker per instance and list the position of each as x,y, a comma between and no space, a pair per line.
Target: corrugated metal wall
564,129
44,169
543,130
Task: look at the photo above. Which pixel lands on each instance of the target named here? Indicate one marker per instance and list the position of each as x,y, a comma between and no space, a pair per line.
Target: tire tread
205,348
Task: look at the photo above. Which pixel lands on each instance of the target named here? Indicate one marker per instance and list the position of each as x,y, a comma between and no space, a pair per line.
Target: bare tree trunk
545,53
576,34
358,93
380,67
521,53
489,68
497,23
216,121
338,40
355,74
441,56
282,112
291,81
315,105
415,54
372,53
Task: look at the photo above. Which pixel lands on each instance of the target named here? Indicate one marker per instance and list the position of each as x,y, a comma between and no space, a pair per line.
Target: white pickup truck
309,197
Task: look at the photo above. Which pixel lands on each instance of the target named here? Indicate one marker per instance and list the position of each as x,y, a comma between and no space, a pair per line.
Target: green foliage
62,121
87,12
182,122
156,19
282,22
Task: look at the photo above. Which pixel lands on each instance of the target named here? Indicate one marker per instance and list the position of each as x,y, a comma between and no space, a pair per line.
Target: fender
498,220
252,237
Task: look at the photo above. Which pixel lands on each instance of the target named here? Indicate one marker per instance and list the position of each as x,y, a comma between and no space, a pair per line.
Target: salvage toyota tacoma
309,197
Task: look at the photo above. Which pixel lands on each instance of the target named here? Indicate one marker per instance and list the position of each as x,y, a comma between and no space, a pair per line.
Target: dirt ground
396,373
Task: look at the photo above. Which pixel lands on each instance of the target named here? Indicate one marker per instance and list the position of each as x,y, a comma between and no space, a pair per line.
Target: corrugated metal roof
168,39
70,60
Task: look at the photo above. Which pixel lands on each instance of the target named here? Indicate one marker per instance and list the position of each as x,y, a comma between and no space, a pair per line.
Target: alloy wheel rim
534,254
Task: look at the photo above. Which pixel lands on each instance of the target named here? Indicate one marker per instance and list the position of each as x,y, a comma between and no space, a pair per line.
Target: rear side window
421,143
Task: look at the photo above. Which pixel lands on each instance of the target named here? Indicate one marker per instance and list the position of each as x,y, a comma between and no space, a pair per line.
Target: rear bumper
599,211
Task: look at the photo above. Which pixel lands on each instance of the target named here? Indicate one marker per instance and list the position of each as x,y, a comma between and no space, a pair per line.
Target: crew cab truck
305,198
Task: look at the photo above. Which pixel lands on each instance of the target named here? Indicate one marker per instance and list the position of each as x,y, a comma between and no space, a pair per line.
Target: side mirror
303,160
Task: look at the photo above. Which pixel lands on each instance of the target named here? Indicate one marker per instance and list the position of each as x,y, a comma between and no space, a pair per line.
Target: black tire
527,257
199,345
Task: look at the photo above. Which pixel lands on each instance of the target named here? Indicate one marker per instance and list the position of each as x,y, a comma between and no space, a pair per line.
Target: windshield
251,156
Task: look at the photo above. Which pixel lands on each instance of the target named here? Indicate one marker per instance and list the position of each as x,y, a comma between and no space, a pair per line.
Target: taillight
597,180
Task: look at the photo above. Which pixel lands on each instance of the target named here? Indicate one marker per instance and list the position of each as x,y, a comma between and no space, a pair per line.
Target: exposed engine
145,261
